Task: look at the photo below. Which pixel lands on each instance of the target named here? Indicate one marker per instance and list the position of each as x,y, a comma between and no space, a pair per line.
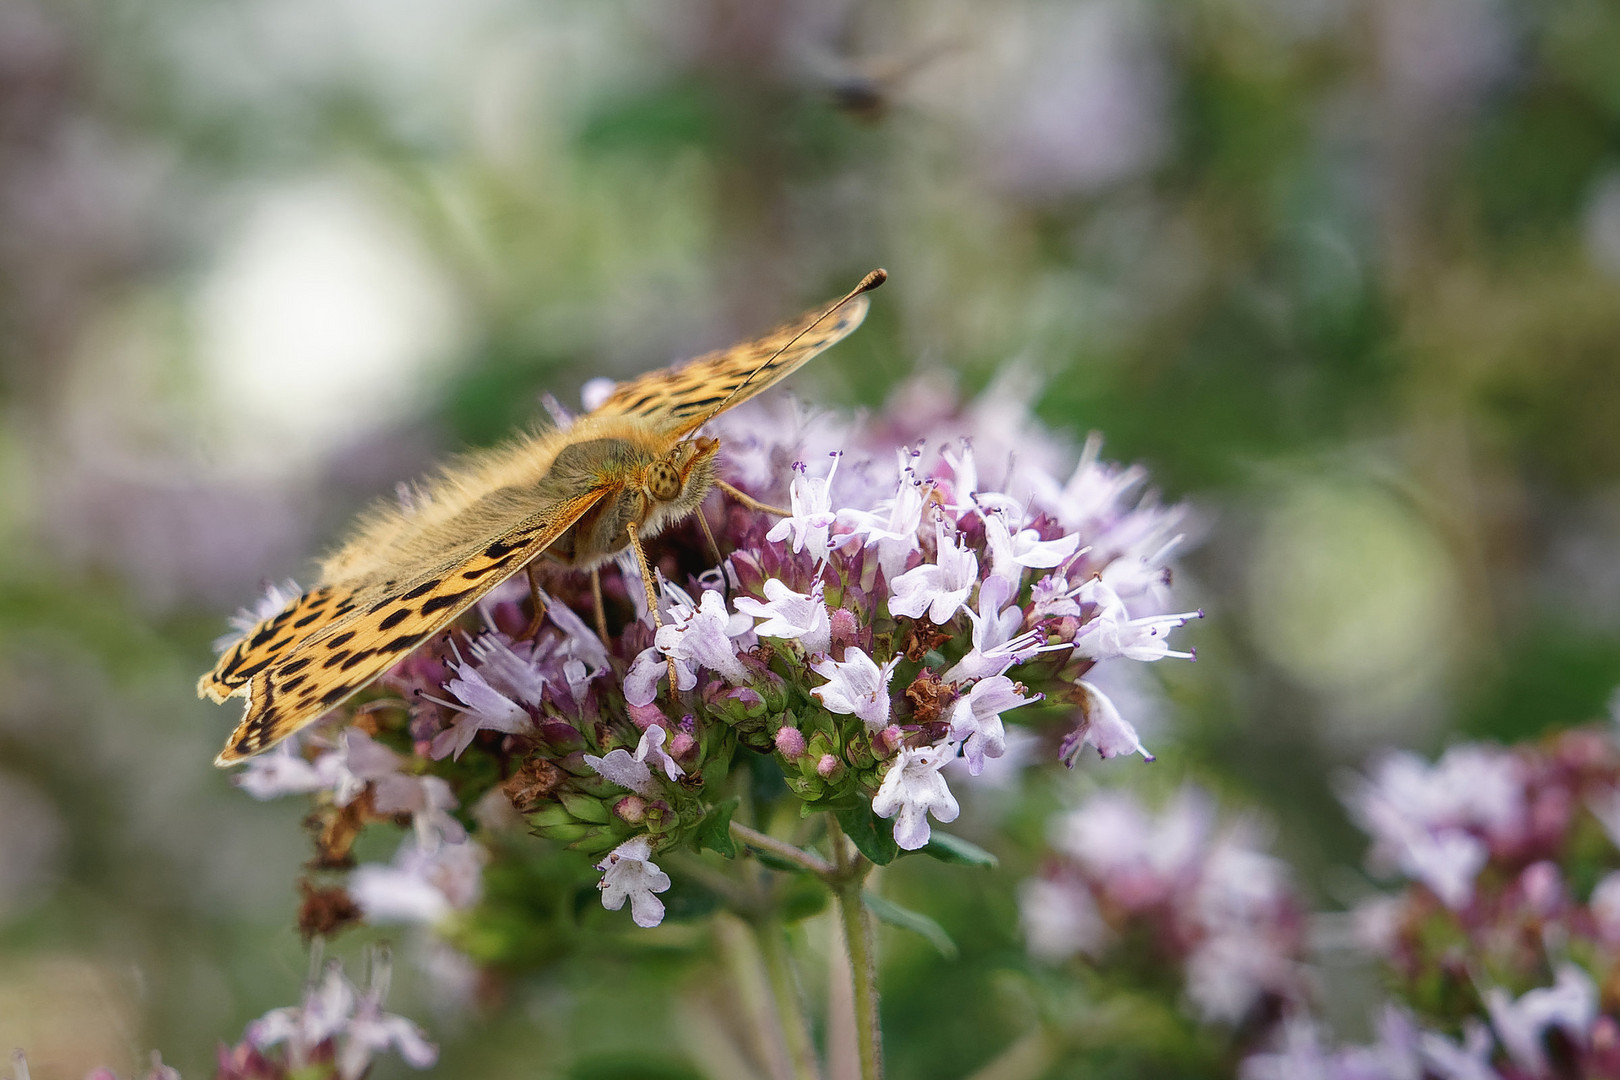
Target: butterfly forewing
297,685
678,400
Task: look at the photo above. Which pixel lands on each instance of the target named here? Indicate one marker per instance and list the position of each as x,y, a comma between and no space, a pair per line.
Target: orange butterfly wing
300,683
678,400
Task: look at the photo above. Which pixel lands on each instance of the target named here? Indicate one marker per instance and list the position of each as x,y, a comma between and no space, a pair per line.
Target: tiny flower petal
911,790
628,872
1100,726
856,685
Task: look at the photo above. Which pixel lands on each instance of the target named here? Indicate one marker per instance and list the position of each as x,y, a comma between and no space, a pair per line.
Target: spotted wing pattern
293,686
680,399
302,618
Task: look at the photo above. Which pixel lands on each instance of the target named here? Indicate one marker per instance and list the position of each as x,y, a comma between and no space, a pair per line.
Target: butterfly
578,494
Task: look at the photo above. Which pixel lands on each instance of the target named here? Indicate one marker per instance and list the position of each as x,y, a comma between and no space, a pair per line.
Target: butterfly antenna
871,281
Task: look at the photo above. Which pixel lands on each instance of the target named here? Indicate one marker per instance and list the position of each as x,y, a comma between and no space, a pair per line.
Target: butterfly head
676,483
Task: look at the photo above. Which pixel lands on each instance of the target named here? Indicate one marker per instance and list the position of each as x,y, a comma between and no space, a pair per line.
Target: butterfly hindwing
274,638
679,399
326,668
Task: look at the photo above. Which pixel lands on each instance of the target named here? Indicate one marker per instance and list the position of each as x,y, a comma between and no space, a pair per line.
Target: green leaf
871,835
714,831
954,849
889,912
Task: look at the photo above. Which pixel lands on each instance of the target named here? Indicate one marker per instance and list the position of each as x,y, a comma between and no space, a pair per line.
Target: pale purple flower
976,719
1423,819
428,799
996,644
1011,553
273,601
893,526
1139,857
1131,574
1605,906
634,771
1570,1004
940,588
1100,726
1053,596
1092,492
641,681
1449,1061
788,614
579,640
484,708
628,873
812,519
421,885
1113,633
1060,920
324,1013
705,637
335,1015
856,685
283,771
912,789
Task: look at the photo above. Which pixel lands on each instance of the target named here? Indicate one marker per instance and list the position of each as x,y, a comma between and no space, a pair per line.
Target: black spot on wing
341,640
313,616
394,619
422,589
335,659
439,603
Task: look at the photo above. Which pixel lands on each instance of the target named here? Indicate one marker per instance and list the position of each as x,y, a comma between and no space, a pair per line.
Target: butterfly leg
601,612
714,545
538,599
652,595
750,502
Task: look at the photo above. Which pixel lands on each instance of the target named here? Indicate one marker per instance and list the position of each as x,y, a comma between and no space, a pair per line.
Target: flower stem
850,874
781,849
773,947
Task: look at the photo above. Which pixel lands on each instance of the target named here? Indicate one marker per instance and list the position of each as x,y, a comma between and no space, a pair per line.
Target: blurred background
1345,274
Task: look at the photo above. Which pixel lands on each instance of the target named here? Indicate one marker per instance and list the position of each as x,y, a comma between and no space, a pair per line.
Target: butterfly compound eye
663,481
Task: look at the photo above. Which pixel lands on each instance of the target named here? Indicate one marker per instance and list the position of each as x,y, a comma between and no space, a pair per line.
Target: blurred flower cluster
1503,948
1140,896
940,568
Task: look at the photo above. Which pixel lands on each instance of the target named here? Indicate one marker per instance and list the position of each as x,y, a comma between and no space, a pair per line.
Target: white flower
1012,552
628,872
280,772
1113,633
1054,596
704,637
976,719
421,885
1060,920
812,519
856,685
791,615
1100,726
1570,1004
635,771
641,681
940,588
912,789
579,640
893,526
428,799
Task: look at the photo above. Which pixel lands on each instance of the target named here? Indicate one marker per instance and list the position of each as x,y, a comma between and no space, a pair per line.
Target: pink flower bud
845,627
789,742
887,741
683,747
631,809
828,767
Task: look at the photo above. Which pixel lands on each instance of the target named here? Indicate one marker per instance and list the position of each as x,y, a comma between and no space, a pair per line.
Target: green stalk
850,870
773,948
